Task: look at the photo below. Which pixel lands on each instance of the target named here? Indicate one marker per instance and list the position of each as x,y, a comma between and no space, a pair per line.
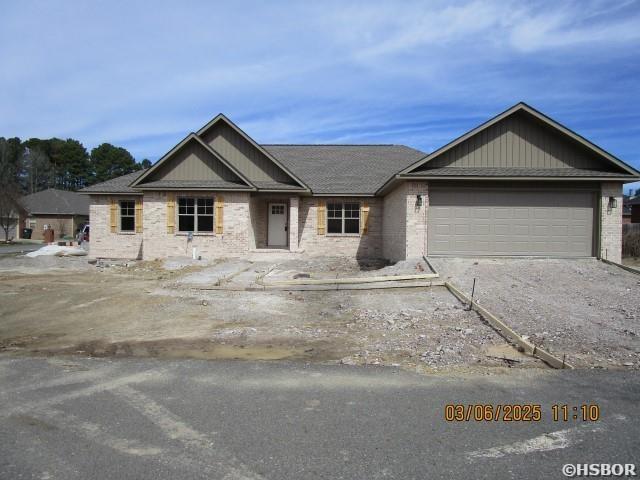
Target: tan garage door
463,221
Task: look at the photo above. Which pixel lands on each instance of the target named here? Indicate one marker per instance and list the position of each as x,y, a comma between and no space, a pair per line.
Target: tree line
36,164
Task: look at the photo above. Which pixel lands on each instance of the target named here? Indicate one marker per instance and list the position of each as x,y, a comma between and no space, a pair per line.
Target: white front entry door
277,225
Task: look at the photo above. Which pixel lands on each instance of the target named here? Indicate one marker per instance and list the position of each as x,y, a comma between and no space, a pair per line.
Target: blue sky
143,74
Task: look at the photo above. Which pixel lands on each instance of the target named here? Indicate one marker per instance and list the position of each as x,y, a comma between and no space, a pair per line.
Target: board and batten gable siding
518,141
244,156
193,162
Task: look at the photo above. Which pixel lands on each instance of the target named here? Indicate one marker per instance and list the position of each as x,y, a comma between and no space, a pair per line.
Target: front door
277,225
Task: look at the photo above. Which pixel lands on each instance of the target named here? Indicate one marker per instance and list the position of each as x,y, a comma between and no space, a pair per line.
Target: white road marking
226,463
549,441
85,392
93,431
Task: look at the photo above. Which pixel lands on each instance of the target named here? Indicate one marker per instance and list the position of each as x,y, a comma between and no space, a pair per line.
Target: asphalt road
19,248
77,418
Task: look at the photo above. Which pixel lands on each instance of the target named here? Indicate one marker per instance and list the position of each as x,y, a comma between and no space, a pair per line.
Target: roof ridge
334,145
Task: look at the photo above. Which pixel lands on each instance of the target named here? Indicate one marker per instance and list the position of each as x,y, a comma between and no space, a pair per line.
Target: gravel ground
153,309
336,267
583,308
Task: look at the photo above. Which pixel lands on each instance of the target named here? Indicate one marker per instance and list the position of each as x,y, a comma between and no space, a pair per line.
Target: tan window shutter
219,215
322,212
171,212
139,215
114,215
364,218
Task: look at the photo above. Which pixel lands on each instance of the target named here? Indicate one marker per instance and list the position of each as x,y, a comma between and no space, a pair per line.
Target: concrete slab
217,273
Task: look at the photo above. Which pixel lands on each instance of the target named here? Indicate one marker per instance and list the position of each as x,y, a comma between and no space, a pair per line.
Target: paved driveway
72,418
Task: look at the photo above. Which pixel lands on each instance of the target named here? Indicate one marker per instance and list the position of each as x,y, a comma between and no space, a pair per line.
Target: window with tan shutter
195,214
343,218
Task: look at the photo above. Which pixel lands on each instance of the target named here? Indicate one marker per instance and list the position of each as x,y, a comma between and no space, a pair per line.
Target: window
195,214
127,216
277,209
343,218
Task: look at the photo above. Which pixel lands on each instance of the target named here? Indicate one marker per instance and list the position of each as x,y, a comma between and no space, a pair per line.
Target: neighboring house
62,210
634,205
519,184
626,209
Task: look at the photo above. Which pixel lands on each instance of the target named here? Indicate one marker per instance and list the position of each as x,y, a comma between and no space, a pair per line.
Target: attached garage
511,221
519,184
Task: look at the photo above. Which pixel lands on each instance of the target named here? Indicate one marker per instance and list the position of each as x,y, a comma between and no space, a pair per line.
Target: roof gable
191,161
247,156
521,137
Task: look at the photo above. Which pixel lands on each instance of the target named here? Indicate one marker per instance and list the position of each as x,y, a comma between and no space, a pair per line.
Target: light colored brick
404,222
103,243
357,246
397,227
611,222
234,241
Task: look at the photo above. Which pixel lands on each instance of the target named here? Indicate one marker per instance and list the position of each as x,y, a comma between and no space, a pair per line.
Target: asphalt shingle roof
116,185
212,184
56,202
514,172
337,169
348,169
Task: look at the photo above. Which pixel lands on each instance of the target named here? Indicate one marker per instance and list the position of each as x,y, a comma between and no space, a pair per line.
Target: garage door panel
510,222
442,229
481,229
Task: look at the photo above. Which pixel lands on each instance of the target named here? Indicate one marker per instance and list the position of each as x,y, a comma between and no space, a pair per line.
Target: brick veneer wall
233,242
365,246
394,233
416,219
611,222
103,243
404,222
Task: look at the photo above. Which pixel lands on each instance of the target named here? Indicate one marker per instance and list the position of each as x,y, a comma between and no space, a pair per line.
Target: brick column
611,222
294,203
416,223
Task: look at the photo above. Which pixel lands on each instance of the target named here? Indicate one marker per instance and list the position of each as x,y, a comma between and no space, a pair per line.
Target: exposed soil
147,309
585,309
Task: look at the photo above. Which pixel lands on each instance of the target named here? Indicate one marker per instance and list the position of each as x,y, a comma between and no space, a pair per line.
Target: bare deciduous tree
8,213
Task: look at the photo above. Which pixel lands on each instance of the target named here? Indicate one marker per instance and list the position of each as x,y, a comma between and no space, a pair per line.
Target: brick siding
358,246
611,222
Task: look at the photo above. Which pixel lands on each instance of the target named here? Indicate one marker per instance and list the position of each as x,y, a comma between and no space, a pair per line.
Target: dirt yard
585,309
175,308
52,305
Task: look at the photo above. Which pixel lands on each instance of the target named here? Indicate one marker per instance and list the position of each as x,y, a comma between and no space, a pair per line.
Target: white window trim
195,219
342,234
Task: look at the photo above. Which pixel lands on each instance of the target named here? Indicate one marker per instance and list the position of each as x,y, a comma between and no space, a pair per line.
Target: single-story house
62,210
519,184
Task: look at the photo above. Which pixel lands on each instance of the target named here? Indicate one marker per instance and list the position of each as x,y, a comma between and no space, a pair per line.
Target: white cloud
412,72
